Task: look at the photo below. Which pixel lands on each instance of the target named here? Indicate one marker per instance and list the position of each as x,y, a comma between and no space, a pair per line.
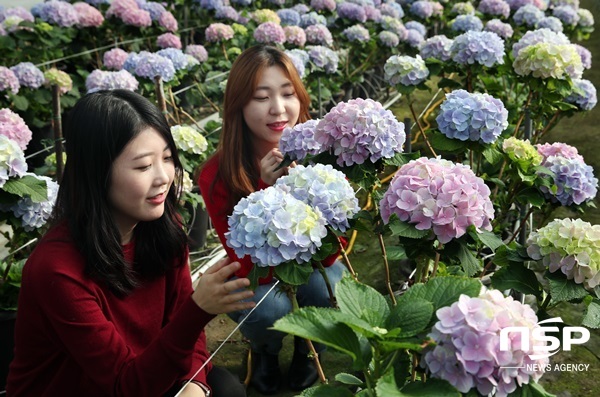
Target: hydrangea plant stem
388,282
550,124
522,117
327,283
412,110
347,260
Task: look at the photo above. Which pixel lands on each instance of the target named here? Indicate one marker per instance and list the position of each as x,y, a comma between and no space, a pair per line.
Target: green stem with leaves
388,282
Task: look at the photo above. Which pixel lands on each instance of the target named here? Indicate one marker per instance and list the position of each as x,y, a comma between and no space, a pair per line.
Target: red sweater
75,338
216,201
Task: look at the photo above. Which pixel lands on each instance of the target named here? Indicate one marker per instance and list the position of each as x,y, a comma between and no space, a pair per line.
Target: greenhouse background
424,81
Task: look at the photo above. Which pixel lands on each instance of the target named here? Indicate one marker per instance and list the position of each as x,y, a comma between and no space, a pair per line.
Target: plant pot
7,343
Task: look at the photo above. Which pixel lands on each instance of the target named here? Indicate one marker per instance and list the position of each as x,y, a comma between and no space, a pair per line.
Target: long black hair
100,125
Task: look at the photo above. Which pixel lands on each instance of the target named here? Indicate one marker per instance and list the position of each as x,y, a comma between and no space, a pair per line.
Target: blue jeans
277,304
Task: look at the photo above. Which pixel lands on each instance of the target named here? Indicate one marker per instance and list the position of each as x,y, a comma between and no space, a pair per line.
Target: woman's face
141,178
273,107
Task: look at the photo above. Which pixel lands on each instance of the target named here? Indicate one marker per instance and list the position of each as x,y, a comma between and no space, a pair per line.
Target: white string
226,339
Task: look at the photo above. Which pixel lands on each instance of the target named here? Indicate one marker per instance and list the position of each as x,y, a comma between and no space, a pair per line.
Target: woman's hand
269,163
215,295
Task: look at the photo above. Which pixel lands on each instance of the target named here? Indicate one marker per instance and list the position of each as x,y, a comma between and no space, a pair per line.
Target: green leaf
441,291
493,155
432,388
20,102
531,196
505,255
396,252
442,142
405,229
293,273
591,318
411,319
486,238
518,277
443,83
28,186
255,274
531,390
348,379
468,261
386,386
564,290
362,301
327,391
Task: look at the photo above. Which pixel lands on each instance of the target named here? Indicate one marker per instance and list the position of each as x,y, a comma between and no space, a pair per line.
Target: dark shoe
266,376
303,371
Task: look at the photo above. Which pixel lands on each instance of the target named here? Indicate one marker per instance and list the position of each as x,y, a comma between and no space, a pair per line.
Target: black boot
303,371
266,376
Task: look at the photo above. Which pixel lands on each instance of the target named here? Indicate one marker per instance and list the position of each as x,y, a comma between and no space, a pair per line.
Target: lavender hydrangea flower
499,8
179,59
168,40
545,60
13,126
392,9
405,70
389,39
227,12
20,12
324,58
210,4
8,80
517,4
466,23
437,47
168,21
502,29
418,26
468,350
28,75
289,17
299,141
295,35
586,56
462,8
571,246
484,48
301,8
34,215
323,188
323,5
269,32
373,14
12,158
197,51
567,14
551,23
360,130
59,13
155,9
584,94
107,80
472,116
437,194
115,58
312,18
217,32
422,9
59,78
277,2
300,54
351,11
151,65
415,39
273,227
558,149
356,33
88,16
528,15
586,18
543,35
318,34
265,15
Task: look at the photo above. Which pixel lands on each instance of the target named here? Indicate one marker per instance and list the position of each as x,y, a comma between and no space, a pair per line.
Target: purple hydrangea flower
301,54
289,17
468,350
312,18
504,30
418,26
273,227
28,75
168,40
586,56
324,58
499,8
551,23
8,80
528,15
389,39
584,94
100,80
351,11
567,14
155,9
20,12
516,4
467,23
472,116
13,126
323,188
318,34
179,59
323,5
151,65
299,59
210,4
12,158
87,15
295,35
299,141
437,194
532,37
373,14
115,58
586,18
356,33
34,215
422,9
437,47
405,70
227,12
269,32
301,8
197,51
217,32
414,38
360,130
392,9
59,13
558,149
395,26
168,21
484,48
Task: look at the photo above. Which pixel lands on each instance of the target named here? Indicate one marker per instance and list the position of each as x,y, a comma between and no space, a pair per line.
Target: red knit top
75,338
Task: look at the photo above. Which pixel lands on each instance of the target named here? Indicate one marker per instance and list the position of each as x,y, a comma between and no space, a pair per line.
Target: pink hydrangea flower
168,40
168,21
115,58
88,16
217,32
14,127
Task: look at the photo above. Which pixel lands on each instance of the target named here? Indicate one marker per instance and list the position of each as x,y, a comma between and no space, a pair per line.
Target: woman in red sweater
264,95
106,306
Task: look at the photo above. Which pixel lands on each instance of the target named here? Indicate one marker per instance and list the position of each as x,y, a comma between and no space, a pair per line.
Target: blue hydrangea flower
28,74
300,54
467,23
151,65
34,215
324,188
422,9
302,9
414,38
299,141
586,56
210,4
584,94
504,30
484,48
472,116
418,26
543,35
574,181
495,8
312,18
405,70
155,9
227,12
273,227
59,13
567,14
551,23
437,47
389,39
528,15
108,80
179,59
357,33
392,9
351,11
289,17
324,58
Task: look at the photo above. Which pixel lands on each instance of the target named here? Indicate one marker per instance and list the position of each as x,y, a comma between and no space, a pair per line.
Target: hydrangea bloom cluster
584,94
265,15
437,194
358,130
299,141
34,215
567,14
467,352
437,47
8,80
28,75
87,15
498,8
179,59
197,51
418,26
138,18
373,14
273,227
289,17
422,9
574,181
299,58
472,116
318,34
168,21
312,18
295,35
586,18
155,9
394,26
151,65
586,56
324,188
115,58
11,24
467,23
389,39
351,11
108,80
571,246
217,32
392,9
414,38
528,15
189,139
324,58
210,4
301,8
543,35
59,13
522,152
516,4
168,40
59,78
405,70
323,5
357,33
462,8
557,3
484,48
551,23
20,12
12,159
269,32
14,127
504,30
544,60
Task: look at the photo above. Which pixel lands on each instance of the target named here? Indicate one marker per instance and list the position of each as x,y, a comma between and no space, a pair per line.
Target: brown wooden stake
57,127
